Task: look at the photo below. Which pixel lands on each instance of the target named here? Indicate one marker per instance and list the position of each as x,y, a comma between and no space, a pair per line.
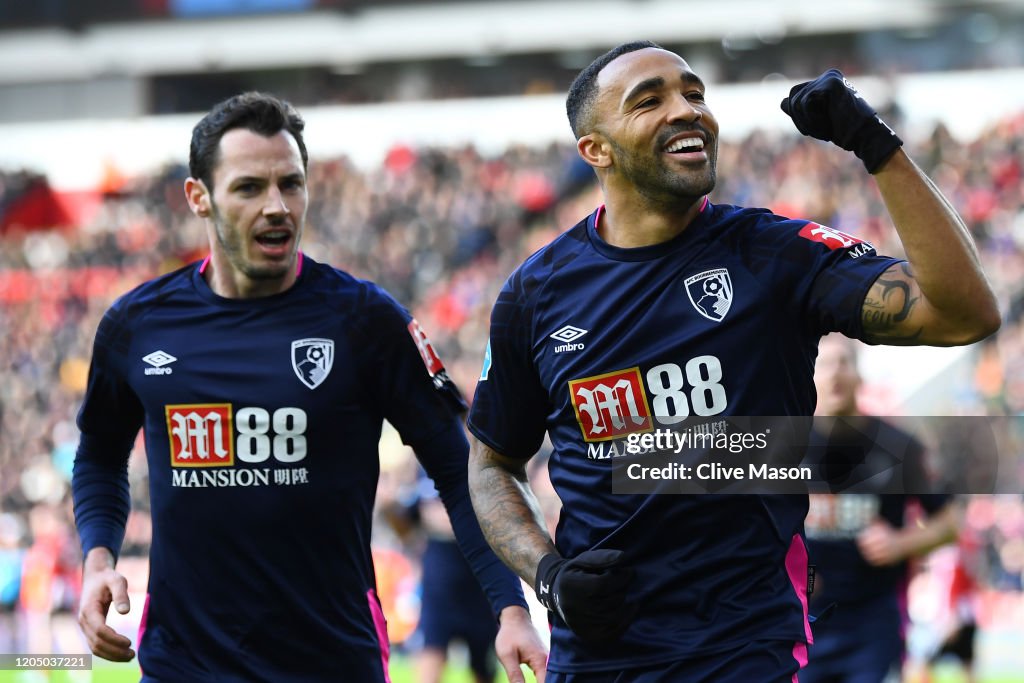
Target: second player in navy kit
661,305
261,379
858,538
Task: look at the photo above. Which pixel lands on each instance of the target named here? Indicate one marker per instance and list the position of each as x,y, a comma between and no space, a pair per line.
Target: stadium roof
424,31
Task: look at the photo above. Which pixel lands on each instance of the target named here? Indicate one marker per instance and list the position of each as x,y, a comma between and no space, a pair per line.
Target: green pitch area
105,672
401,672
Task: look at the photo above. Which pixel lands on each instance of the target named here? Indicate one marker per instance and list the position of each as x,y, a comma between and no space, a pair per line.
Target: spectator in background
860,538
12,554
959,638
50,579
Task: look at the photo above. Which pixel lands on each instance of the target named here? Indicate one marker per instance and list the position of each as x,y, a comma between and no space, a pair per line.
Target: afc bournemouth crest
312,360
710,293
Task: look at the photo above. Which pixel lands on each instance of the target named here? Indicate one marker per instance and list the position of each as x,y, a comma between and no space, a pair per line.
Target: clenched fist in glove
830,109
588,592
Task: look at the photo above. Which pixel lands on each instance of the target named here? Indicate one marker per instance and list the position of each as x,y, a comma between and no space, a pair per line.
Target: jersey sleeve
445,457
109,420
510,405
828,273
402,372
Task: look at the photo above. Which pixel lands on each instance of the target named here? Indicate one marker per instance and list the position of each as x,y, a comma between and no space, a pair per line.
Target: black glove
588,592
830,109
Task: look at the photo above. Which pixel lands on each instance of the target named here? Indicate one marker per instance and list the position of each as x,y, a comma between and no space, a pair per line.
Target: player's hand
830,108
588,592
879,544
518,643
102,586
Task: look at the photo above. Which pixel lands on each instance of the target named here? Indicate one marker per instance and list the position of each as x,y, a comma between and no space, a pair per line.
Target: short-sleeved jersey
588,340
262,419
834,520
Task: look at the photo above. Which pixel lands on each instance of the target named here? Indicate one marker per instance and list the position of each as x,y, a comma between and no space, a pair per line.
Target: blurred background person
861,535
452,606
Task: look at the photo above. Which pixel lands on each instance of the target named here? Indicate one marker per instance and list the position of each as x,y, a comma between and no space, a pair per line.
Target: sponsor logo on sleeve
430,357
312,360
710,293
611,405
836,239
486,370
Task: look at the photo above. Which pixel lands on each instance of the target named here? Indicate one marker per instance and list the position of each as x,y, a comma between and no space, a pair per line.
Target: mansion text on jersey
264,476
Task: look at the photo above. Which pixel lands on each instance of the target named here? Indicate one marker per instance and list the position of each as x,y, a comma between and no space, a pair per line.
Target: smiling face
256,211
652,128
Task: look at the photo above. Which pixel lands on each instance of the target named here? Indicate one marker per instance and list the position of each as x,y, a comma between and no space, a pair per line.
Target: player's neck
231,283
628,225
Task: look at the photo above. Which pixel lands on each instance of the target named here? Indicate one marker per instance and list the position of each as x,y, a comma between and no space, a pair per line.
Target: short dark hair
256,111
583,91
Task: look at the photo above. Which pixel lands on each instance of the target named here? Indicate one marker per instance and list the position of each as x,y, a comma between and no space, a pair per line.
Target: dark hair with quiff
579,104
256,111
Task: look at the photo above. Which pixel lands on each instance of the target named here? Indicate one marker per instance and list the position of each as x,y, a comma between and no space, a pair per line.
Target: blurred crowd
440,229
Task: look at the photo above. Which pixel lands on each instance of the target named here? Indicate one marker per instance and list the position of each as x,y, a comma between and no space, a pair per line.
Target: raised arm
941,297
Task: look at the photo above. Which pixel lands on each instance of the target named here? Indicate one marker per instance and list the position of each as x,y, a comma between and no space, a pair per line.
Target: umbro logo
158,359
568,335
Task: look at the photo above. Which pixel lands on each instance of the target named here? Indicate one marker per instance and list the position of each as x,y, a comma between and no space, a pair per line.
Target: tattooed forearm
888,307
508,512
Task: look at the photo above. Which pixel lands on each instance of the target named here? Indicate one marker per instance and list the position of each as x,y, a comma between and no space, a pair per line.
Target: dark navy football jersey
589,342
865,631
262,419
834,520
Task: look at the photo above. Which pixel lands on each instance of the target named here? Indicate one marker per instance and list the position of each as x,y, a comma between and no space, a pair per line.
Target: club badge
312,360
710,293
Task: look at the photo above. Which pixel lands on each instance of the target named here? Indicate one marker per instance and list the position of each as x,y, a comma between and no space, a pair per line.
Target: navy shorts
860,643
760,662
454,607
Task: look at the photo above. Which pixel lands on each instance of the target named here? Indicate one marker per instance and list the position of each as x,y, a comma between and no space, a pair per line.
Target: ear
198,197
595,150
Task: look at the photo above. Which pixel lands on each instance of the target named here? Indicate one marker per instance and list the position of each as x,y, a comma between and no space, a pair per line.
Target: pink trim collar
600,210
298,264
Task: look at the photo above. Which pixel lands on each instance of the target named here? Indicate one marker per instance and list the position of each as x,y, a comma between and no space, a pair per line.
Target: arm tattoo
888,306
508,512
